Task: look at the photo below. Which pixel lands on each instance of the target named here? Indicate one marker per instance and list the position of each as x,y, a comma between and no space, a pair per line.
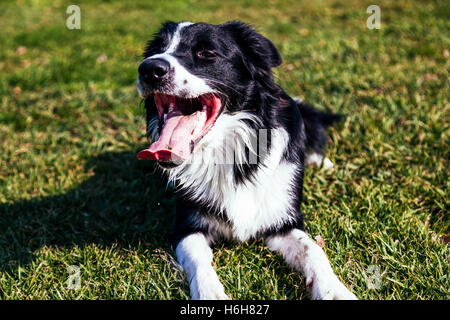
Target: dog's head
192,74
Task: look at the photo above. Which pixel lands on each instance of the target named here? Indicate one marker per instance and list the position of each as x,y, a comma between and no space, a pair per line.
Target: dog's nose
153,70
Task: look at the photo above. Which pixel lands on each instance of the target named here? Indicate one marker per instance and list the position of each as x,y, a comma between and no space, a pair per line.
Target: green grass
73,193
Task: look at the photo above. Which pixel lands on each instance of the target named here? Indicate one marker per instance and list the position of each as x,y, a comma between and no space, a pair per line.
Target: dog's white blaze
185,83
175,40
304,255
195,256
251,207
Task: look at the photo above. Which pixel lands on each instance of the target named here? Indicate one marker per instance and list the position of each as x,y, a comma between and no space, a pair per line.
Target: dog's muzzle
154,71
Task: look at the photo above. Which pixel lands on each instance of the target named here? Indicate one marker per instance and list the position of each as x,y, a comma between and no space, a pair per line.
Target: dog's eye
206,54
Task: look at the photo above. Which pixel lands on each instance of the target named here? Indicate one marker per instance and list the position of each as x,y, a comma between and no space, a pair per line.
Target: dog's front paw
330,288
207,287
210,293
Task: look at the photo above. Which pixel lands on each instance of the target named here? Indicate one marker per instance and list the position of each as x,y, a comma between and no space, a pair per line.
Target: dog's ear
258,51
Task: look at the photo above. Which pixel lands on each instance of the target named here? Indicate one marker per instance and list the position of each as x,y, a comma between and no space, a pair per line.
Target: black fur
316,122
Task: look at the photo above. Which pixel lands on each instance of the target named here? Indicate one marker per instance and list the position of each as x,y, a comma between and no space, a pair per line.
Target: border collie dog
234,146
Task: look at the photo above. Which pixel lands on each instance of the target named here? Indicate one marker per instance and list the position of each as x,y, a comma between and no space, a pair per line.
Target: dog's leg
318,160
195,255
304,255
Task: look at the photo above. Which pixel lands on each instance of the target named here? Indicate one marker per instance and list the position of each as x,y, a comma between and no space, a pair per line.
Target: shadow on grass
124,202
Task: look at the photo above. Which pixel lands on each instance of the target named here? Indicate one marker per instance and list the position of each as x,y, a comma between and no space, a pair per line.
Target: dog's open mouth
184,122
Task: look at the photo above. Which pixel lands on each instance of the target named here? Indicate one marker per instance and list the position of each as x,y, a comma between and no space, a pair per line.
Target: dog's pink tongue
174,141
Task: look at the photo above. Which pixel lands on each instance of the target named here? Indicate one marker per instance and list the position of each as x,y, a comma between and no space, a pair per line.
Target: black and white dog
234,145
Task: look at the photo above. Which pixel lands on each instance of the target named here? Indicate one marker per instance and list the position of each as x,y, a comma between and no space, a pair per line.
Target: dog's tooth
201,120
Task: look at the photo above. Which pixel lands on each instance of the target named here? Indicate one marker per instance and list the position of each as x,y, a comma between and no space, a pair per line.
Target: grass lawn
71,123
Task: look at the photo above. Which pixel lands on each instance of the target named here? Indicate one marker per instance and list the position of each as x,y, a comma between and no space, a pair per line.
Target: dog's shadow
124,202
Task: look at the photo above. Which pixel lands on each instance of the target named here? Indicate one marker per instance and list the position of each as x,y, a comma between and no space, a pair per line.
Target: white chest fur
250,207
255,207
